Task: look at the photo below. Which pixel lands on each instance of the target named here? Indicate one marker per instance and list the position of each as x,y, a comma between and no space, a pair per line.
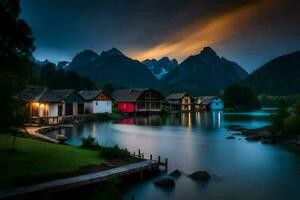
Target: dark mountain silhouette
204,74
113,67
280,76
161,67
63,65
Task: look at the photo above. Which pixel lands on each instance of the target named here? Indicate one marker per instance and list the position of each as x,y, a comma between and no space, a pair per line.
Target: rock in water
165,183
230,137
175,173
200,175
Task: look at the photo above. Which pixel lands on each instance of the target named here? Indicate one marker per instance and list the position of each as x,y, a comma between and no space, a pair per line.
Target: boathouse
180,102
138,100
208,103
51,106
96,101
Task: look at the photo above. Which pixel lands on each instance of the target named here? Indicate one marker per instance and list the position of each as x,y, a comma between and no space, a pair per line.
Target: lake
197,141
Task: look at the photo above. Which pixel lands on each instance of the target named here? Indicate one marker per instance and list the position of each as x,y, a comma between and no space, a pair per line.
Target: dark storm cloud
63,28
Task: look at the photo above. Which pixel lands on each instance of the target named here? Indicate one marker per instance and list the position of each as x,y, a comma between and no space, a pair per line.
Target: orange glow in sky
204,32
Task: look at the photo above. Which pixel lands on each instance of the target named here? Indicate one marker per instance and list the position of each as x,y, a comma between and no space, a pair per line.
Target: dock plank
76,181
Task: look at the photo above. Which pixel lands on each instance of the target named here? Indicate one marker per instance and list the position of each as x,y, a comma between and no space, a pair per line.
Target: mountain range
113,67
161,67
204,74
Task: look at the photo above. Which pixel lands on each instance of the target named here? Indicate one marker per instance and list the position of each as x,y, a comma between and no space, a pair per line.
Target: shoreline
102,165
265,136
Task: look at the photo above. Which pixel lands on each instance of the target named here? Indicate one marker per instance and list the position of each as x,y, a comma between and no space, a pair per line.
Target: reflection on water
197,141
209,120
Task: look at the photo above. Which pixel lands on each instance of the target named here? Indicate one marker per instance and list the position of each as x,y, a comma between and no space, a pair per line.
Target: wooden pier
87,179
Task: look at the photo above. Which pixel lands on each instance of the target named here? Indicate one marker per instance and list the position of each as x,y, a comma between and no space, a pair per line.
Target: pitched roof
89,95
32,92
127,95
55,95
205,100
176,95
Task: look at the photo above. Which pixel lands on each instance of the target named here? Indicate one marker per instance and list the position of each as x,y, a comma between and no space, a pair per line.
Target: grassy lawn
36,158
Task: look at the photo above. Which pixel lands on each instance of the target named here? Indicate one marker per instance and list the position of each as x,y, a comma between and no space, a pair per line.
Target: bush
103,116
89,142
285,121
115,153
106,152
165,110
278,120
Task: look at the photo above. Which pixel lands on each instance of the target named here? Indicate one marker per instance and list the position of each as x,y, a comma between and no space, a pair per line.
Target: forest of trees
240,98
17,70
60,79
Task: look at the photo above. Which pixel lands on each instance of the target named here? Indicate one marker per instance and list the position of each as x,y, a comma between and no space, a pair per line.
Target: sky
249,32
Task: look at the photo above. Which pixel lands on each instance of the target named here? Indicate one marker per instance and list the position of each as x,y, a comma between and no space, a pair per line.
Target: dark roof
89,95
32,93
205,100
176,95
127,95
55,95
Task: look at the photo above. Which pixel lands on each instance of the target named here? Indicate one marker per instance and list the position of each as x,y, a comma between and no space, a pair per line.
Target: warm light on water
243,170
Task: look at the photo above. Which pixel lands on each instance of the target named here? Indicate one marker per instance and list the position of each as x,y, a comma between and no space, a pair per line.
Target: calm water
191,142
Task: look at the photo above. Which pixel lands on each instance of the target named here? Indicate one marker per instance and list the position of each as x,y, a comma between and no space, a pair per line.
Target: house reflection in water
207,120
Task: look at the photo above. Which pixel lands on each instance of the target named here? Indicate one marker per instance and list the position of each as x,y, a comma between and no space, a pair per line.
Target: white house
208,103
96,101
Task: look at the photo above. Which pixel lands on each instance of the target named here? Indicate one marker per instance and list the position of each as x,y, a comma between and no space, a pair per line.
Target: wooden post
158,160
141,173
142,156
150,156
139,154
134,154
166,164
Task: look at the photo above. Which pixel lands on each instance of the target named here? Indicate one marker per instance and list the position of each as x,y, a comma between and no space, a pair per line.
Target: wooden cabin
138,100
96,101
208,103
180,102
51,106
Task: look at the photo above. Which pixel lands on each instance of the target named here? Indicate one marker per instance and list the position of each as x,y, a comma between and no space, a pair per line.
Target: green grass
37,158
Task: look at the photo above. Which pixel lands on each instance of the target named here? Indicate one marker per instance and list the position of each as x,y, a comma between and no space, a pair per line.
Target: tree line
18,70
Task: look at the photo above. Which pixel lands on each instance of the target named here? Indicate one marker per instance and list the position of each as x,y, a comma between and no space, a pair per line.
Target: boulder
266,141
230,137
165,182
264,133
238,134
249,132
253,138
175,173
200,175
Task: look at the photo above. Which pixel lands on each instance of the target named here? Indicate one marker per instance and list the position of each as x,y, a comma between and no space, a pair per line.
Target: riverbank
34,161
265,136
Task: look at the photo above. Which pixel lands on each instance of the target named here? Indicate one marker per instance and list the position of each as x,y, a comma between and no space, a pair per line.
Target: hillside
280,76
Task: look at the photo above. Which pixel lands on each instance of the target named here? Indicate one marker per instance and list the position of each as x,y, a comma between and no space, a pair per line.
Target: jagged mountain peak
208,51
161,67
204,74
112,51
84,57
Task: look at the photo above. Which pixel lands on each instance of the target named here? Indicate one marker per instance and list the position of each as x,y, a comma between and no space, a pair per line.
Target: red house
138,100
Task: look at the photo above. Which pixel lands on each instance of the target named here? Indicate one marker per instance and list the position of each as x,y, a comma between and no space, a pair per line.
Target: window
96,103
